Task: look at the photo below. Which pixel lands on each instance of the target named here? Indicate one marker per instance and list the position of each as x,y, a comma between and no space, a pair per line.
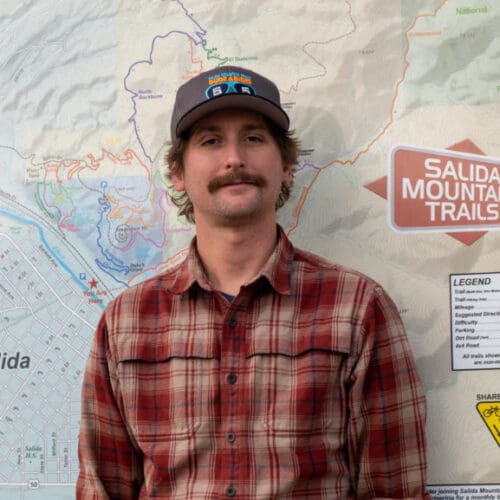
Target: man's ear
177,179
288,173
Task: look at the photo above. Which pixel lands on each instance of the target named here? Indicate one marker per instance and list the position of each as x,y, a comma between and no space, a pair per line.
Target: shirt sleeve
110,466
386,427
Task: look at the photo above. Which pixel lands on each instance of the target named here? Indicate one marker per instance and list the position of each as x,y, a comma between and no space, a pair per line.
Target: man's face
233,169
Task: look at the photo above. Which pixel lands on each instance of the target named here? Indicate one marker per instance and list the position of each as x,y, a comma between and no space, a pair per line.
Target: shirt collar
277,270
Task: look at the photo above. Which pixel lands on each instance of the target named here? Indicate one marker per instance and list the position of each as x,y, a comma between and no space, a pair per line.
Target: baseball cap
226,87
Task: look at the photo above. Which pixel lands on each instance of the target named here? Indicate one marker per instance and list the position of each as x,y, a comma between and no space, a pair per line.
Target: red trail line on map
307,189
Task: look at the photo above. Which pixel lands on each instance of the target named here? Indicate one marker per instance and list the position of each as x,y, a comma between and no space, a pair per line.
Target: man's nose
234,155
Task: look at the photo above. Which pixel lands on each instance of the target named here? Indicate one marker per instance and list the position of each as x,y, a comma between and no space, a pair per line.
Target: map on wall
86,94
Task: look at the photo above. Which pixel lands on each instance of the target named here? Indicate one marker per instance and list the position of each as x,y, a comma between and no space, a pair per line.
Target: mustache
233,177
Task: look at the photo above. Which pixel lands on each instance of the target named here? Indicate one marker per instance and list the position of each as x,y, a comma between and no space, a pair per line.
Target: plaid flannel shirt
303,386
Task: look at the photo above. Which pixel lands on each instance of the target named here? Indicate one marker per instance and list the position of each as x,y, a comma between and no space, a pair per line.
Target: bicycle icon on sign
492,410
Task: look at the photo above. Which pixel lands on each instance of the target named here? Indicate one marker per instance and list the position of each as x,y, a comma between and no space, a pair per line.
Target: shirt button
231,437
231,491
233,322
232,378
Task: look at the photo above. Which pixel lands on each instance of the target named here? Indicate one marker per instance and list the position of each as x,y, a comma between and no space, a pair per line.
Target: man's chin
237,213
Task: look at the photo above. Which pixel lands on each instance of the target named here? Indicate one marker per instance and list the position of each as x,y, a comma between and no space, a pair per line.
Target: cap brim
252,103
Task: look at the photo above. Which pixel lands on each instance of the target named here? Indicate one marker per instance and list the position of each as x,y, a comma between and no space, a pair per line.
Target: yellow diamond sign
490,413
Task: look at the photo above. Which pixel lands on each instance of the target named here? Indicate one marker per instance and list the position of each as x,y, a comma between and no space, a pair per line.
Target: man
252,369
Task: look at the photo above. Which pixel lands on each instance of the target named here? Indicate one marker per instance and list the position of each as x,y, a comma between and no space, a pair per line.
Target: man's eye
209,141
254,138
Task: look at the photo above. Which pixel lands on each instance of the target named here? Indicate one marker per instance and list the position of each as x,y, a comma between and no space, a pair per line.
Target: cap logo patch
229,83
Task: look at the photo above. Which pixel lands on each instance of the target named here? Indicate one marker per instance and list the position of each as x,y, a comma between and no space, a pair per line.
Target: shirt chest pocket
301,395
167,399
298,392
299,372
